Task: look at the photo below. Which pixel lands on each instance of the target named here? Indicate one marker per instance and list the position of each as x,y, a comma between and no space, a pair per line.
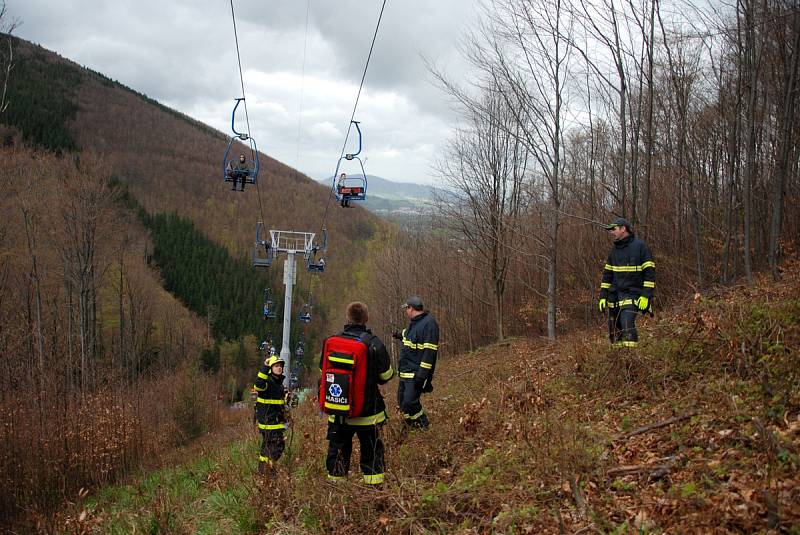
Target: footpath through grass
696,431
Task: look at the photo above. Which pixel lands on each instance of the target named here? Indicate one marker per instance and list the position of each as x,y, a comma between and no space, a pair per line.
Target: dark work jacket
629,272
379,371
420,348
271,400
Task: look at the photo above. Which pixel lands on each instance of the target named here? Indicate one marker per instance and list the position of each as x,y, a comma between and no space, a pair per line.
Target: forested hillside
129,306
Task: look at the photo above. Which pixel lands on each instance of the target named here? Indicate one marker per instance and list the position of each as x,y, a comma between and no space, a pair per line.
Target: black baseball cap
618,222
414,302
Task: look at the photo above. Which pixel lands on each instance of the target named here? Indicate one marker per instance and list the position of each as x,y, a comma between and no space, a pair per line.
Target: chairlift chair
229,161
305,314
352,187
261,244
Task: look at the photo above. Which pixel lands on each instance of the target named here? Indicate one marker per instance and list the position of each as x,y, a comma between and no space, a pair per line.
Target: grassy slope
534,438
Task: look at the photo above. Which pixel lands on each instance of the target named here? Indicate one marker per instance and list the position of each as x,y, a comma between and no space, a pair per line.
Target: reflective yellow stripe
271,401
649,284
423,345
335,407
337,359
263,459
271,427
262,375
336,478
374,479
631,269
259,389
414,417
628,343
426,365
385,376
362,420
621,303
406,375
605,285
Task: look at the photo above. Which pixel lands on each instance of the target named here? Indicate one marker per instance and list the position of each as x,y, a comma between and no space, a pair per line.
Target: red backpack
344,375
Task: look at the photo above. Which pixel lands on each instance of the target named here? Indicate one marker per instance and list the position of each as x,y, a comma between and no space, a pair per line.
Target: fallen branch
657,470
657,425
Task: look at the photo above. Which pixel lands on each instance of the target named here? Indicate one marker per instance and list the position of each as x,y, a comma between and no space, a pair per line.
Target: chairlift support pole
291,243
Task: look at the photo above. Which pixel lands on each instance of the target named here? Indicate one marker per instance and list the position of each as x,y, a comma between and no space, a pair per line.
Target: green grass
207,495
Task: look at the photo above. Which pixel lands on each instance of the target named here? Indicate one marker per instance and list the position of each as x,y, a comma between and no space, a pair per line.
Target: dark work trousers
340,448
622,326
272,444
408,399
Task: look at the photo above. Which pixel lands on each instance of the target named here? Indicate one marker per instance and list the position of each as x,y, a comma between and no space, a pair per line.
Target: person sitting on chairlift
239,172
341,187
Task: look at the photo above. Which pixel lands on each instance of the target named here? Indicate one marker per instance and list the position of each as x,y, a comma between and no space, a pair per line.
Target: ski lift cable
302,89
244,99
355,106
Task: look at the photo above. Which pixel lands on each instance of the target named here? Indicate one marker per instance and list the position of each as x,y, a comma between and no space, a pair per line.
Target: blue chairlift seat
231,159
351,187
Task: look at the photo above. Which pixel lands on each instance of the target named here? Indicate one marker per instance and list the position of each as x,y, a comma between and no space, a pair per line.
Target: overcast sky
182,53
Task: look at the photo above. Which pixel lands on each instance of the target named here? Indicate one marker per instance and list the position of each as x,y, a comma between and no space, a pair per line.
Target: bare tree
485,167
787,121
6,54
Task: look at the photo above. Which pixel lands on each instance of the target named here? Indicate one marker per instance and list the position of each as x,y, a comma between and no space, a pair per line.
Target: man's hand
397,334
644,303
602,305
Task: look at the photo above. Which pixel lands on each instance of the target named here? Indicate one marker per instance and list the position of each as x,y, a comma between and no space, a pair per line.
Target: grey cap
618,222
414,302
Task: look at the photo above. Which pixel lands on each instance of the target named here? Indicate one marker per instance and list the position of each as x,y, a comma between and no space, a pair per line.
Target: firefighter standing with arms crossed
629,279
417,361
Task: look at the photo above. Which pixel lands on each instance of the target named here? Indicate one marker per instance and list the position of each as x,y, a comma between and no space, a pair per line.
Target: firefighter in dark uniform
629,280
270,411
417,361
373,415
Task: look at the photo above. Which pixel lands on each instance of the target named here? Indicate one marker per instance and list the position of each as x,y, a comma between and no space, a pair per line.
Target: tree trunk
779,186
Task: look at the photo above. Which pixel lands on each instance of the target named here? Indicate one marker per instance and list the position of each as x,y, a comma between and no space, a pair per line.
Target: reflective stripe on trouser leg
372,455
272,445
410,405
622,326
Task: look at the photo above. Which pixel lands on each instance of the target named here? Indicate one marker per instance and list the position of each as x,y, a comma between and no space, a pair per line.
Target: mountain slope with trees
109,198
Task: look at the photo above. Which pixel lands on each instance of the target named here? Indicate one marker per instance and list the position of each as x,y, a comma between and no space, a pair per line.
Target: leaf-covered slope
697,431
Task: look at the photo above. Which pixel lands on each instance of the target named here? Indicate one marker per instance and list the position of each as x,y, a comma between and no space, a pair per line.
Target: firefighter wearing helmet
270,411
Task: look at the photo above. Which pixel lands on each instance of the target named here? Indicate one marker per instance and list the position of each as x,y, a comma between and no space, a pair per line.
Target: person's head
342,176
357,313
276,365
241,158
413,306
618,229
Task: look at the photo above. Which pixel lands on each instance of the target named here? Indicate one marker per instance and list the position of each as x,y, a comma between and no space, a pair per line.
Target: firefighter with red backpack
354,363
270,411
417,361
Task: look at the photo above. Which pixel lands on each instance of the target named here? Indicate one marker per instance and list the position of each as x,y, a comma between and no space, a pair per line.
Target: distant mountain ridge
392,190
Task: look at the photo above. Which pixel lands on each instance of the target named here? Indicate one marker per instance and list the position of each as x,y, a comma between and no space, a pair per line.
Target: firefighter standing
417,361
629,279
270,411
341,429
